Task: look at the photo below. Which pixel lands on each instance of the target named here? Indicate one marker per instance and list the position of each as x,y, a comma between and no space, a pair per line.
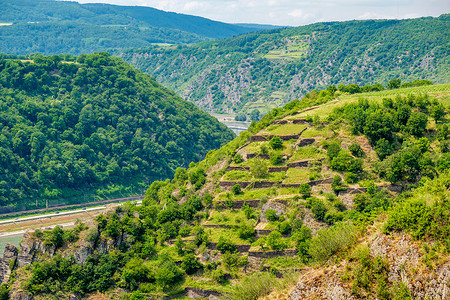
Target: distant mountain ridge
54,27
264,70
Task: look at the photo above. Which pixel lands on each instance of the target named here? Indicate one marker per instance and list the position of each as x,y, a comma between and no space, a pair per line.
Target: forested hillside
54,27
267,69
92,125
336,196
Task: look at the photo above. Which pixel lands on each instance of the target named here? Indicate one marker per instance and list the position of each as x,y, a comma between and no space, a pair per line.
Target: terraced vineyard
296,190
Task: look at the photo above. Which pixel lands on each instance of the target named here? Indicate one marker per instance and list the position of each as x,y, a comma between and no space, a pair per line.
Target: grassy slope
294,206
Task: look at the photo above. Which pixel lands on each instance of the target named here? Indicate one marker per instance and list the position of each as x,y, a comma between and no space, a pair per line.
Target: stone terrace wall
240,248
311,183
254,155
305,142
268,137
247,168
237,204
302,163
244,184
271,254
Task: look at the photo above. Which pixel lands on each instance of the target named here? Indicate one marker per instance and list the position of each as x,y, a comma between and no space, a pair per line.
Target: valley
275,208
149,154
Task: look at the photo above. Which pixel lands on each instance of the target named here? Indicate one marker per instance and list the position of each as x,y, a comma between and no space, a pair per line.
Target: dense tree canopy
91,122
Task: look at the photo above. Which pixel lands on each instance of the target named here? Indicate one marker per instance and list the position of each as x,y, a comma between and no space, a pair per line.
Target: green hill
54,27
267,69
92,127
328,192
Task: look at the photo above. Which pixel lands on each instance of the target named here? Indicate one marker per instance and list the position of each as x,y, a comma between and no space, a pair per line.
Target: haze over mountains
54,27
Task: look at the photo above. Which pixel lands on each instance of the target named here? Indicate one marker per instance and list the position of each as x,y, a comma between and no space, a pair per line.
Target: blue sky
294,12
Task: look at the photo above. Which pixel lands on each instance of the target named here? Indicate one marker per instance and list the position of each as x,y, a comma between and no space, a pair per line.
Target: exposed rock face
320,285
405,264
19,295
278,207
10,254
30,248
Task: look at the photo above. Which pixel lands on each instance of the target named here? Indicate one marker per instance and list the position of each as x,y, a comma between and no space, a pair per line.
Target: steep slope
267,69
92,127
53,27
300,206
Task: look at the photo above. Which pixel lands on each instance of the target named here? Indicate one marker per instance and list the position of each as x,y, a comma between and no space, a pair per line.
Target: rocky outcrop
405,263
320,285
278,207
30,248
195,293
9,256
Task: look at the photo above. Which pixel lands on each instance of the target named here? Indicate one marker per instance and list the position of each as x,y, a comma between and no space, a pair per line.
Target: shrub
333,217
275,241
301,238
276,143
219,275
284,227
248,211
416,124
207,200
383,148
236,189
356,150
190,264
271,215
329,241
345,162
350,177
238,159
337,184
318,209
246,231
226,245
305,190
259,168
276,159
333,150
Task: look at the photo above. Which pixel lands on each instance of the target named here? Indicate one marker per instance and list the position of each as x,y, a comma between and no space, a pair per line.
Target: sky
293,12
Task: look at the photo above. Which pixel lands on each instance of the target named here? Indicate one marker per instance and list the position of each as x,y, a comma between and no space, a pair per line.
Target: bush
356,150
333,150
238,159
284,227
236,189
271,215
259,168
345,162
275,241
225,245
276,143
246,231
301,238
416,124
329,241
248,211
219,275
318,209
383,148
350,177
305,190
190,264
276,159
337,184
